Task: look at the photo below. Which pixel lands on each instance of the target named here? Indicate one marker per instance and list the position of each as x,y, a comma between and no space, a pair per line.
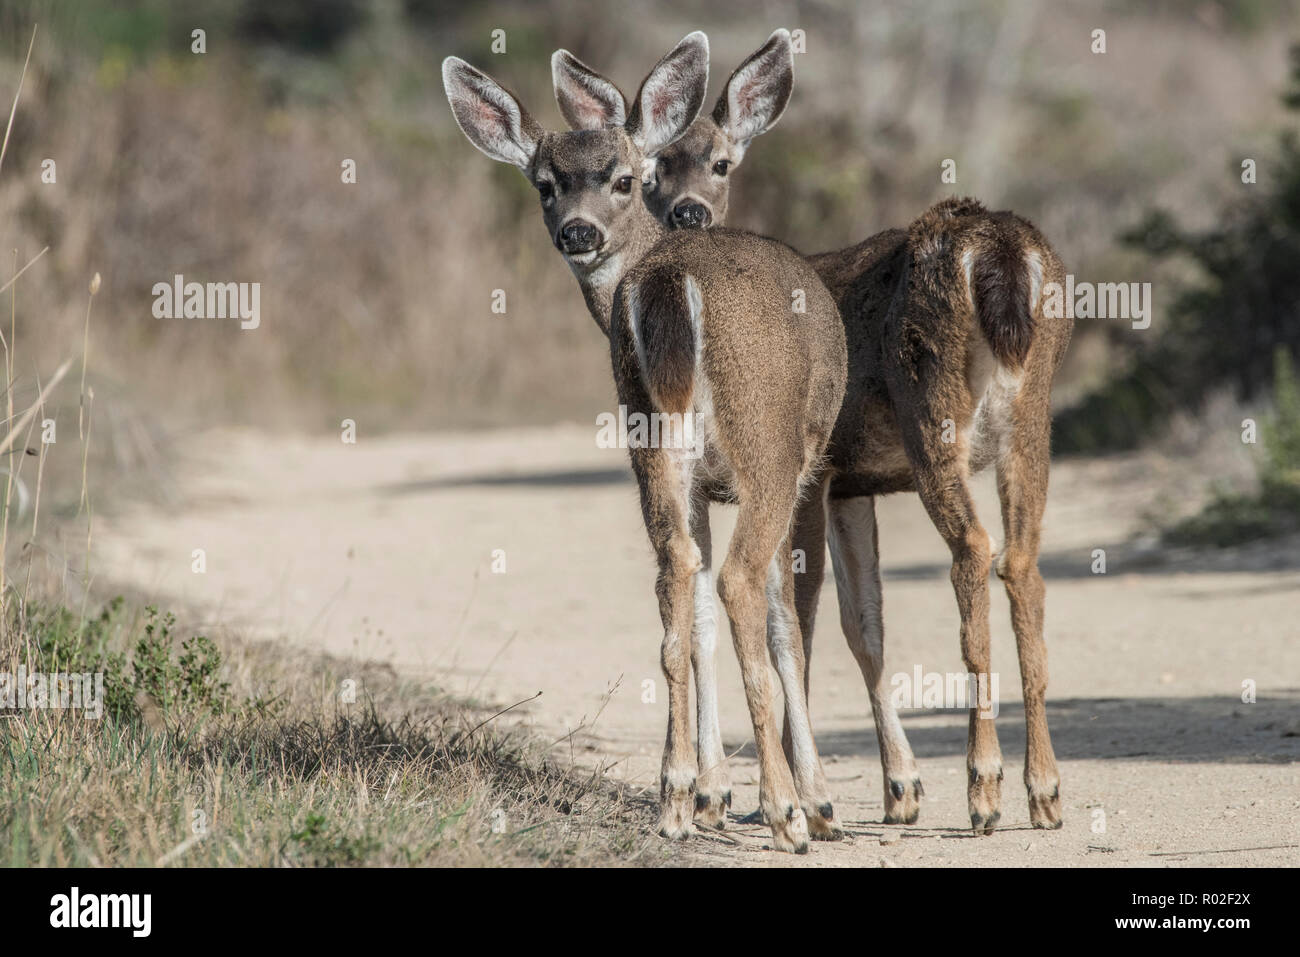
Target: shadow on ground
1178,730
554,479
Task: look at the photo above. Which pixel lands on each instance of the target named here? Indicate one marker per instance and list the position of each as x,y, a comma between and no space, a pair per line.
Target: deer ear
489,115
671,96
586,99
757,93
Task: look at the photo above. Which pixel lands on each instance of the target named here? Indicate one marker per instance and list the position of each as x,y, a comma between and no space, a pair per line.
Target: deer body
950,365
698,323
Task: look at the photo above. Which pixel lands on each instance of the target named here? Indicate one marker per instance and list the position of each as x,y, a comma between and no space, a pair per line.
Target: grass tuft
255,757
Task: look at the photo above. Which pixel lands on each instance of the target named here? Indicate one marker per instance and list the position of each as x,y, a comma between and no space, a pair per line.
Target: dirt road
386,549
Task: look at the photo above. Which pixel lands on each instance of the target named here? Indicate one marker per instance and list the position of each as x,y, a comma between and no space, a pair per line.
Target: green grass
251,757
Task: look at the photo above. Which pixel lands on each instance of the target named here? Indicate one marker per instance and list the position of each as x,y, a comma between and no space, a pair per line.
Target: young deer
698,322
951,360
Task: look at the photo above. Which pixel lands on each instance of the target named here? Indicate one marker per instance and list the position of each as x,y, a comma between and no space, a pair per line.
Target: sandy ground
385,549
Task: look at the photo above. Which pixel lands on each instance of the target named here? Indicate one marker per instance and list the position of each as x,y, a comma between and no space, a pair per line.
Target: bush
1221,331
188,684
1233,518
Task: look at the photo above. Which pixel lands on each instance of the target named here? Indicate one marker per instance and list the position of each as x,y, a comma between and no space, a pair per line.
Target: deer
951,360
699,323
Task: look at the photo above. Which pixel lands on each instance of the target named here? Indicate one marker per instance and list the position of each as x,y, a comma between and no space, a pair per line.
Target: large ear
757,93
671,96
586,99
489,115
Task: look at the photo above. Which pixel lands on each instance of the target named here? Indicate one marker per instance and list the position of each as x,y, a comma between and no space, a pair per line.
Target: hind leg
855,557
665,482
788,652
713,786
940,469
808,538
742,582
1022,487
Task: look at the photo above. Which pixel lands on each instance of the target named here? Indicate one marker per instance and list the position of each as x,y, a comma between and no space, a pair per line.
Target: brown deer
700,324
951,360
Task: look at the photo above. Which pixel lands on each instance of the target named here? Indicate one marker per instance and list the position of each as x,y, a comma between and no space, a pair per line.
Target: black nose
578,236
691,216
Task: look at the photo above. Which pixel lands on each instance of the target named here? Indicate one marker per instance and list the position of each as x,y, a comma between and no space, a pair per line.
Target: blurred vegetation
1231,518
1224,326
376,296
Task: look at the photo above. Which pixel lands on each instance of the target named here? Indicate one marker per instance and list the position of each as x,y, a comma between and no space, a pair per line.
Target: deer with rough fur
947,340
699,323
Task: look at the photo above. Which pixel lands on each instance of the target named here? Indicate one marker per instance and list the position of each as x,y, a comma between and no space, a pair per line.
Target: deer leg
949,503
665,481
809,540
787,648
855,557
941,472
742,582
1022,487
713,786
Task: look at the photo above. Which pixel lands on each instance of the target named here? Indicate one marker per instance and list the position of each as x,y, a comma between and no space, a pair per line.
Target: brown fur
924,345
769,382
667,336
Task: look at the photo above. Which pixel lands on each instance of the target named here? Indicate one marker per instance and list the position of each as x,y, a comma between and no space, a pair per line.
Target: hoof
711,809
984,796
676,801
822,825
1045,807
676,831
903,801
790,832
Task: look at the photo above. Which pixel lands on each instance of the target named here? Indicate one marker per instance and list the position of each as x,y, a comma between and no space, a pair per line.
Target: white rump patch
968,265
1034,262
633,302
990,429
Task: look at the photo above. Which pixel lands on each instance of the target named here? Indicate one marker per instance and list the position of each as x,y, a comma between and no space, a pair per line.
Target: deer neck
599,281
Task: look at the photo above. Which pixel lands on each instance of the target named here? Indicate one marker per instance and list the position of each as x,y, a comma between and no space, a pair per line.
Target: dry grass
288,775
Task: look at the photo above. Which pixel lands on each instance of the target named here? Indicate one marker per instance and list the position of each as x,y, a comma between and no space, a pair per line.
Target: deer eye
547,191
623,184
721,167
